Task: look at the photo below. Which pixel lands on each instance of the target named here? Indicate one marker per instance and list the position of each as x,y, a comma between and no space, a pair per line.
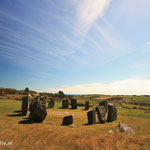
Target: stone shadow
62,108
17,113
86,124
28,121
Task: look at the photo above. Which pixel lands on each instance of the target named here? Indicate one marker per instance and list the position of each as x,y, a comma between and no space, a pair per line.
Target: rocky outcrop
125,128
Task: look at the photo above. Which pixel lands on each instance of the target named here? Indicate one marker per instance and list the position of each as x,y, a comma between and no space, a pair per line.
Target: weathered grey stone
72,125
74,104
101,112
86,105
111,131
51,103
105,104
91,115
65,103
125,128
95,108
38,110
68,120
24,105
43,98
30,98
33,100
34,94
112,113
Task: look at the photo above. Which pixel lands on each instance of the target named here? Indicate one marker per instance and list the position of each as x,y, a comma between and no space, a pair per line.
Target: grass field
51,135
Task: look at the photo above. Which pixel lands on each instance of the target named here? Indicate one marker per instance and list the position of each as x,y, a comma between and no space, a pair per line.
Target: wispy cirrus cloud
68,40
122,87
45,37
20,44
89,10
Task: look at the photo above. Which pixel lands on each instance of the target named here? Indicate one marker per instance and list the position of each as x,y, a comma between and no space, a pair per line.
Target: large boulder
38,110
91,115
101,112
74,103
68,120
65,103
125,128
86,105
112,113
24,105
51,103
105,104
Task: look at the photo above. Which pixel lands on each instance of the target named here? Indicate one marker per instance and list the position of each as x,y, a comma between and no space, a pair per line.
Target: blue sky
80,47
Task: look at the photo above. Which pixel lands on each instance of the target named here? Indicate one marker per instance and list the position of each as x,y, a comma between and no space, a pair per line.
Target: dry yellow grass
51,135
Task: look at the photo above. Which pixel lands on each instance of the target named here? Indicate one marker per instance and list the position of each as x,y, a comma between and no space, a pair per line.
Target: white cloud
148,43
89,10
124,87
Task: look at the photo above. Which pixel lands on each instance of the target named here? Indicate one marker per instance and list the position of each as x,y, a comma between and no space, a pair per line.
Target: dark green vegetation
132,110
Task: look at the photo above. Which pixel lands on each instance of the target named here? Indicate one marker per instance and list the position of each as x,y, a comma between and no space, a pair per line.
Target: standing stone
24,105
38,110
35,99
68,120
112,113
74,104
30,98
51,103
101,112
65,103
86,105
91,117
95,108
43,98
105,104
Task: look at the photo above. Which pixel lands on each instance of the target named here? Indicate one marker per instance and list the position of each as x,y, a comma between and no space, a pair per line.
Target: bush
61,94
2,93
